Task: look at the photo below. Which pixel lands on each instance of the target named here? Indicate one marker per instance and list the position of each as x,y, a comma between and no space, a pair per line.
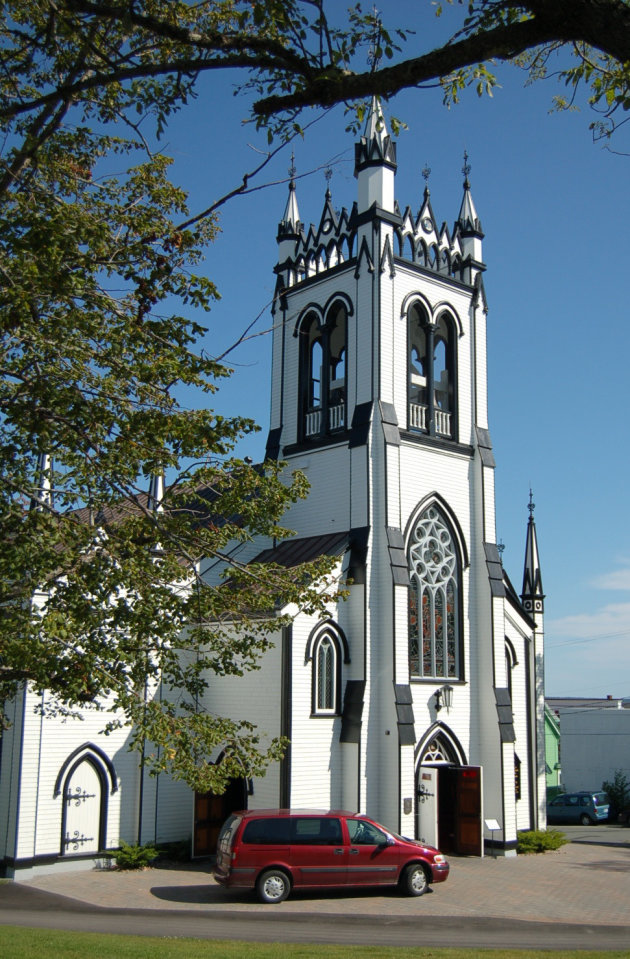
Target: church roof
292,552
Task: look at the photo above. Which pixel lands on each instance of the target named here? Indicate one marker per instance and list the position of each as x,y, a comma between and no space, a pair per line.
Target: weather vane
373,58
532,506
426,173
466,168
328,174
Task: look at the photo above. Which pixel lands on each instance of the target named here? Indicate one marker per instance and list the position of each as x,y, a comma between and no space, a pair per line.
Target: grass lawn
20,943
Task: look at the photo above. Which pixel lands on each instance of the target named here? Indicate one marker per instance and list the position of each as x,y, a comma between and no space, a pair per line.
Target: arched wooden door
84,804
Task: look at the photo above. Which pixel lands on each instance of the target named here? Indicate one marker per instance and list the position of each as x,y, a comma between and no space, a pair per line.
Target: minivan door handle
354,852
338,852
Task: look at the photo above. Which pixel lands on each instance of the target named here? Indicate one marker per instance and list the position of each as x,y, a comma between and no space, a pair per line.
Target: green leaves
108,602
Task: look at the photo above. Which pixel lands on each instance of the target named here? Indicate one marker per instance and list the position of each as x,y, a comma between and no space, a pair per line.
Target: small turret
532,595
375,163
468,225
290,226
156,493
289,232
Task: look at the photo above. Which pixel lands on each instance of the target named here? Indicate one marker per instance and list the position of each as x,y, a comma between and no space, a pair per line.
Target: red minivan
276,850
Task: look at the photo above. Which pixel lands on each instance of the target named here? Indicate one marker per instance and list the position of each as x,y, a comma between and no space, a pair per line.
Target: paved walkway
584,882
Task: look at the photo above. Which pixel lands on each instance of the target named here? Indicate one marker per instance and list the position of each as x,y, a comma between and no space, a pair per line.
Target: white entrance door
427,805
82,800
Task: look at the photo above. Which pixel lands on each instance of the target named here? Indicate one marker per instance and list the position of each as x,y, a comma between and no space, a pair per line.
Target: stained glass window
433,599
325,675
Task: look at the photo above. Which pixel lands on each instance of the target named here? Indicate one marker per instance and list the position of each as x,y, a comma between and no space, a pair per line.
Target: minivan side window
267,831
316,831
365,834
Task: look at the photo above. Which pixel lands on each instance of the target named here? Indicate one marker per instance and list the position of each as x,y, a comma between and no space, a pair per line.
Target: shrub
539,840
133,856
618,794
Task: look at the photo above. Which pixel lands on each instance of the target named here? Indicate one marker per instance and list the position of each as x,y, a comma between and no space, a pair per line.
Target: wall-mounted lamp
443,697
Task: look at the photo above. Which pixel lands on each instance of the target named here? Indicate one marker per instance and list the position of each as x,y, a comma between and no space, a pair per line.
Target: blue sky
554,209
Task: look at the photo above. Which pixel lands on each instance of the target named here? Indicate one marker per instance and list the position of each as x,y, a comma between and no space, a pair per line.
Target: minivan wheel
273,886
414,880
585,820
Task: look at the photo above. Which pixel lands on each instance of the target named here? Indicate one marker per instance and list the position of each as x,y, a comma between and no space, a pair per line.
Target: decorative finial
500,548
466,170
373,58
426,173
532,506
328,174
292,169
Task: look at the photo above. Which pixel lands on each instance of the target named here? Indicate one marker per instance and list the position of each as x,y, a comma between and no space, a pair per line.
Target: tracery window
326,675
323,372
436,752
434,599
431,373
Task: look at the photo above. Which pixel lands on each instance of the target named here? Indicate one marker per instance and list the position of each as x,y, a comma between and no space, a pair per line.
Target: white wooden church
420,699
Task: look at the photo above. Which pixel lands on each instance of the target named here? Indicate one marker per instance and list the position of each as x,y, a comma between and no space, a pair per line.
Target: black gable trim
272,451
389,422
358,554
485,447
352,711
506,717
495,569
360,429
404,715
397,556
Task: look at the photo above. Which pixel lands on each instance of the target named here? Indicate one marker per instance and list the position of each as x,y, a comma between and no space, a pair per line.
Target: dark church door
459,810
211,812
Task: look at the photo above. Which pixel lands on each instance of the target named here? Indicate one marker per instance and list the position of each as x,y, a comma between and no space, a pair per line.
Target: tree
102,596
297,55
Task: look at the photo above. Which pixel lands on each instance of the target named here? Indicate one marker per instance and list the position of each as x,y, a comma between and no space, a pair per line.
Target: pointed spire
376,147
468,220
375,163
290,222
155,501
375,127
43,495
532,595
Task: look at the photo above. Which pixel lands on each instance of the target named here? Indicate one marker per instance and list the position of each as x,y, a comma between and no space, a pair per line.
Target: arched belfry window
434,599
323,391
431,373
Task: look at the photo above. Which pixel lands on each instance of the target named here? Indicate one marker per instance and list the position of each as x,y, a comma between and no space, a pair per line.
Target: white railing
442,422
418,419
336,420
312,422
337,417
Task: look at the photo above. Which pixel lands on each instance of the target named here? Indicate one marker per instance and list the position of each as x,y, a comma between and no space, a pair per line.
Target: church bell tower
379,395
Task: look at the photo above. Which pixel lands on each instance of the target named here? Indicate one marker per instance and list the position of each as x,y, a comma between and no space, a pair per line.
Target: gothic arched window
431,373
434,599
323,348
326,674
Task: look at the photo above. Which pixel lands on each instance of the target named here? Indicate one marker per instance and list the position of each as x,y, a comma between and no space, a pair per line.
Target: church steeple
532,595
375,163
